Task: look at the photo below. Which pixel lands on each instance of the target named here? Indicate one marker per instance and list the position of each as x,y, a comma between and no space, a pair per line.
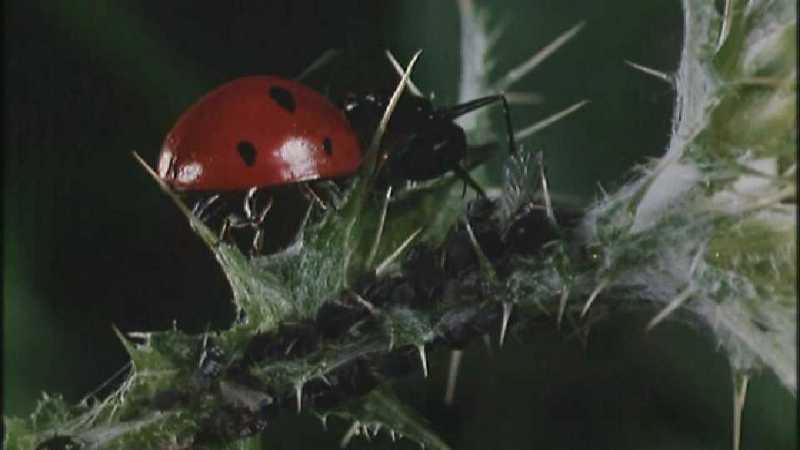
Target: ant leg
456,111
468,180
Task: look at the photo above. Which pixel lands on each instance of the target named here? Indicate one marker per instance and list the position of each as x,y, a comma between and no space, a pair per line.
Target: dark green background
90,242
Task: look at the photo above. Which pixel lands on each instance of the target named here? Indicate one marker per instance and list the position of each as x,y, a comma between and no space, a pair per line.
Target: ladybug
258,131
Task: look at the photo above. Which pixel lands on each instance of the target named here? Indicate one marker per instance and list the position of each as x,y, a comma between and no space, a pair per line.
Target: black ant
424,142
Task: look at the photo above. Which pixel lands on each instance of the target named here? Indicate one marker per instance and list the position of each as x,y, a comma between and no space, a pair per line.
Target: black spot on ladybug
248,153
283,98
327,145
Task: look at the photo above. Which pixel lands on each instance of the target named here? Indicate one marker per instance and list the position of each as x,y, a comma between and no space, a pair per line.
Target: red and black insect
258,131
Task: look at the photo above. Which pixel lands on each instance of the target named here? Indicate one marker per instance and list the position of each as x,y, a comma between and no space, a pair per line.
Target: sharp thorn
381,268
725,28
372,309
545,191
483,260
698,257
372,150
562,305
298,391
321,61
546,122
325,380
452,376
599,288
399,69
379,232
602,190
740,382
652,72
352,431
674,304
365,431
424,359
531,63
507,307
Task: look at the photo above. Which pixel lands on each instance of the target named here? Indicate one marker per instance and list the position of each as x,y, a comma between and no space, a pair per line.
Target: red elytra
258,131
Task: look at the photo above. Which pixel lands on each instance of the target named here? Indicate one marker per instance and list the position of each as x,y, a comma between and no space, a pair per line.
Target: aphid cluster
428,278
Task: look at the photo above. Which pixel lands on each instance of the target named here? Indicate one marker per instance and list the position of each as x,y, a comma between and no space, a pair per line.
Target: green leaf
382,410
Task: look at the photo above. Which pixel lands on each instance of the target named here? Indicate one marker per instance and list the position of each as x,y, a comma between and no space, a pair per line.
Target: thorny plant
364,292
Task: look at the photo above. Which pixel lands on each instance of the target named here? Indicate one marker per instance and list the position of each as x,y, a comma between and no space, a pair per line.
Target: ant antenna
456,111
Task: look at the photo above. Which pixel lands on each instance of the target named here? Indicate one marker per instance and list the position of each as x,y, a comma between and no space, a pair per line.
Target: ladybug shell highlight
258,131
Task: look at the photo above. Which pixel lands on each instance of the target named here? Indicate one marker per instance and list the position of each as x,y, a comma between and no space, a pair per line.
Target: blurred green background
90,242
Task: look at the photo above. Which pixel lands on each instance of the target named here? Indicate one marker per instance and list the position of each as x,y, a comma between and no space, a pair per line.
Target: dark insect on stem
59,443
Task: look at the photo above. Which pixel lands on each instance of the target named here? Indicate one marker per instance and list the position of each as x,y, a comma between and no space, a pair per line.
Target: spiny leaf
382,410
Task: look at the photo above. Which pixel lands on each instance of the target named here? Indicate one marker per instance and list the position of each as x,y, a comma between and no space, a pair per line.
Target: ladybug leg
258,237
247,218
254,218
252,215
258,242
250,210
311,195
259,219
249,204
233,220
456,111
201,208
